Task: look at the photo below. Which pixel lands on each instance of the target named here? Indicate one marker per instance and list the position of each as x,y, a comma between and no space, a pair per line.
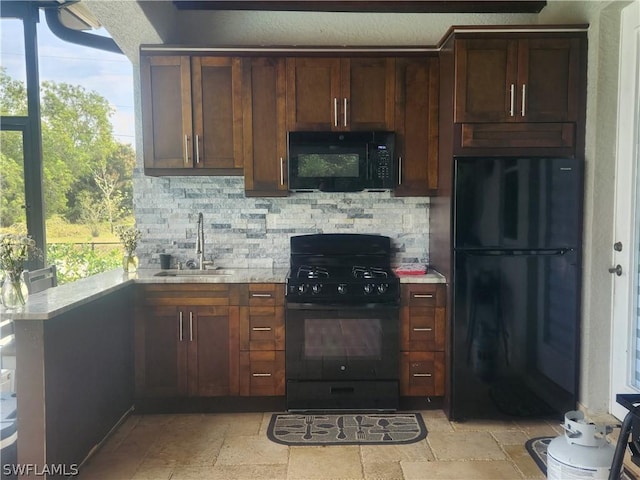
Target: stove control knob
369,288
302,288
316,288
383,287
342,288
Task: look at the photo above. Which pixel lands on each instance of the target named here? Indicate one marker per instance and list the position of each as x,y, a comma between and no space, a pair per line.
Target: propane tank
583,452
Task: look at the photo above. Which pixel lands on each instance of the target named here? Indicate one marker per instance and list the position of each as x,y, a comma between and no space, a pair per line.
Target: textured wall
254,232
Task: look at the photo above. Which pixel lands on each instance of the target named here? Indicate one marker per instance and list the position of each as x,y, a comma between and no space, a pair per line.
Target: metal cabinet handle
197,149
523,109
422,329
186,149
512,91
423,295
281,171
260,374
335,112
399,170
422,375
180,327
617,270
191,326
261,329
262,295
345,112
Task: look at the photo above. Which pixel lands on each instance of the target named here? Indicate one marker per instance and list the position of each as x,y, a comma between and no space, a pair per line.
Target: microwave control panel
381,165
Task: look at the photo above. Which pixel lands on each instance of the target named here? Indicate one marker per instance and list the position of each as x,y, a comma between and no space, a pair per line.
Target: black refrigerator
516,287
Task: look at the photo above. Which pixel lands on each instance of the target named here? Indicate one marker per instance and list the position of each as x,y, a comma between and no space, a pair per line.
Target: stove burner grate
306,271
368,272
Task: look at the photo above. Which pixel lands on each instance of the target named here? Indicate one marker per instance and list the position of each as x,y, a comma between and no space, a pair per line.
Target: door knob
617,270
617,246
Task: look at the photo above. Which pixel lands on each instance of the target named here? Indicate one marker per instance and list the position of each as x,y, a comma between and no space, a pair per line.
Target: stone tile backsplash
245,232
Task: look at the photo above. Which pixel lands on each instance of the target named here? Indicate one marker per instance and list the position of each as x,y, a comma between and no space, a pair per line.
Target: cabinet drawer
422,329
423,295
261,328
266,294
262,373
422,373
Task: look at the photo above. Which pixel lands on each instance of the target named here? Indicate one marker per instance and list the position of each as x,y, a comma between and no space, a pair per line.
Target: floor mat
537,448
346,429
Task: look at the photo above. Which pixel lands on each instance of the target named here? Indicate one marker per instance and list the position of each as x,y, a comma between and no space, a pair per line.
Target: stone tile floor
235,446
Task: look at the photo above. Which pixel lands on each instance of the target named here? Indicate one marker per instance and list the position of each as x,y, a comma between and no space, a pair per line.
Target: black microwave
341,161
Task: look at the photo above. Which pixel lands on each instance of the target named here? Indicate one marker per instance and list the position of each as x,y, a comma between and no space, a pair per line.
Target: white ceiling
132,23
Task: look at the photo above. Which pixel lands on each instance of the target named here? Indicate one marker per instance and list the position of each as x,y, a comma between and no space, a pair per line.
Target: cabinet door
161,352
313,94
422,373
265,140
367,94
417,91
217,112
485,80
548,80
262,373
166,111
213,363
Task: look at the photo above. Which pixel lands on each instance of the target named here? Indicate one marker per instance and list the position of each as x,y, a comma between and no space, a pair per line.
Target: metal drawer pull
512,91
399,170
260,374
186,149
423,295
421,374
345,112
191,326
335,112
261,329
262,295
422,329
281,171
524,95
197,149
180,327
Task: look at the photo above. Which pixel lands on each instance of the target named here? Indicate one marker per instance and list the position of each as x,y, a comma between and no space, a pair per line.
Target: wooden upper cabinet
192,113
417,91
265,131
166,111
217,112
340,94
517,80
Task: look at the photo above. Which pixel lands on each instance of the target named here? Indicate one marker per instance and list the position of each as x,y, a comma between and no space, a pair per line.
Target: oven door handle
341,307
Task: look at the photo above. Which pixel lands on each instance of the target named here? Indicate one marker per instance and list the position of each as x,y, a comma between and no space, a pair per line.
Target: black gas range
341,268
342,324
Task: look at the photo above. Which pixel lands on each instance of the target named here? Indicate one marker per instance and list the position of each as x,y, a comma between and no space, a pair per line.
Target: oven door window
340,338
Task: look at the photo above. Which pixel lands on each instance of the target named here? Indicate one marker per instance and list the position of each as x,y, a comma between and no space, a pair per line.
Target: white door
625,346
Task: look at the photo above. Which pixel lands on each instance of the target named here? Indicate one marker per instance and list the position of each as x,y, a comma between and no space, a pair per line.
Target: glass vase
130,262
14,290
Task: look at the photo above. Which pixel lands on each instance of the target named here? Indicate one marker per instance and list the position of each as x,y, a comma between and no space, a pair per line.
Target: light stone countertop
58,300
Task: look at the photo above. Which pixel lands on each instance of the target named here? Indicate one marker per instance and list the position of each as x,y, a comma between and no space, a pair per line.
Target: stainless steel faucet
200,243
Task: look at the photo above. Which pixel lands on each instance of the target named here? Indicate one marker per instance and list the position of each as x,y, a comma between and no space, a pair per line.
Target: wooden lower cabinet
422,339
262,373
187,340
262,341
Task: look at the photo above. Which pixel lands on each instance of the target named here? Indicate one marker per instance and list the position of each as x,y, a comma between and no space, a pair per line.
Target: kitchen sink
194,273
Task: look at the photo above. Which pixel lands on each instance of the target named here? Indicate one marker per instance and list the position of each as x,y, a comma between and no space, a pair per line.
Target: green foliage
76,261
13,95
85,170
12,188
